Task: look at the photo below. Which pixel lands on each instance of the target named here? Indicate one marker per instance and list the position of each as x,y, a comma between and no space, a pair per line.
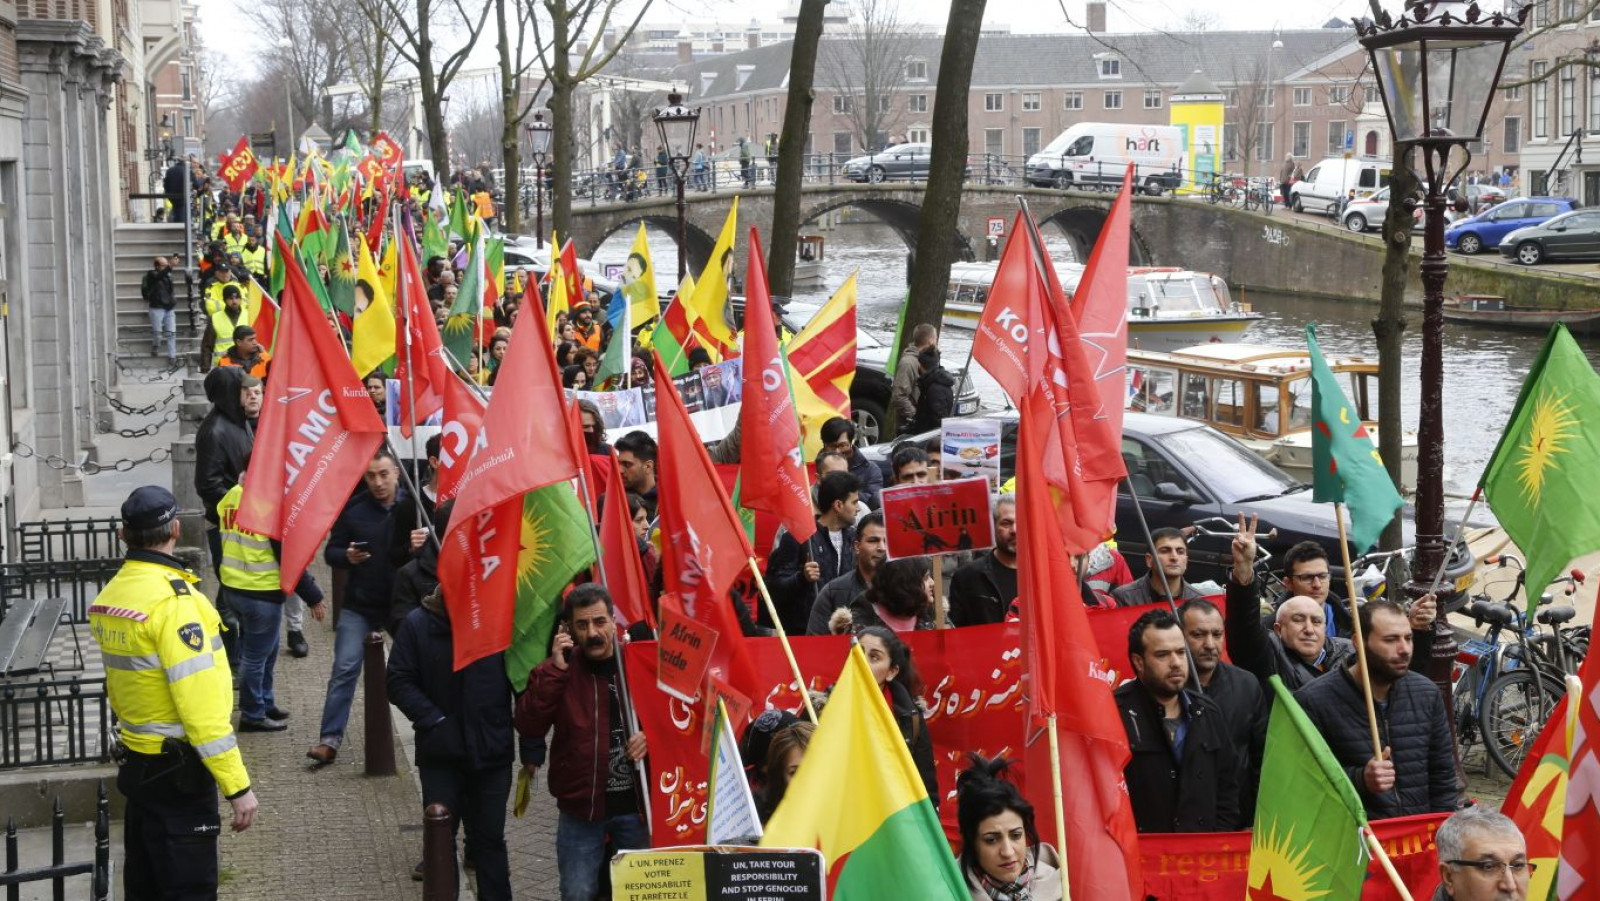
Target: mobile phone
360,545
566,652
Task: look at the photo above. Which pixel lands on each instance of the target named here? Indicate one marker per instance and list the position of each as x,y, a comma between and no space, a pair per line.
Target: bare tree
310,61
370,55
792,146
867,63
416,22
1250,93
476,124
570,37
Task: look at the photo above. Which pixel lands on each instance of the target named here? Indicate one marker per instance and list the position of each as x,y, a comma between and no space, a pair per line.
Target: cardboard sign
970,447
938,518
715,873
685,651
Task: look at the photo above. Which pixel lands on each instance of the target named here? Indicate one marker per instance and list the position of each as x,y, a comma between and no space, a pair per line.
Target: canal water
1483,367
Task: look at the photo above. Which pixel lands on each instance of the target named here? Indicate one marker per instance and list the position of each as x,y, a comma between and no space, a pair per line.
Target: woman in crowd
564,355
891,665
639,369
1001,854
575,377
784,754
901,597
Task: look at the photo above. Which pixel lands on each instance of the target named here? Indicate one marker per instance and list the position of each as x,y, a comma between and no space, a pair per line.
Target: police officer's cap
149,507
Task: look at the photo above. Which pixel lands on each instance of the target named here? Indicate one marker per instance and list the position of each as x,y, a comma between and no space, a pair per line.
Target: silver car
902,162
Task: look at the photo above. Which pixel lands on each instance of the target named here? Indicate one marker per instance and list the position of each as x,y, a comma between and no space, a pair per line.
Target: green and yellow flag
858,799
710,302
461,329
1345,466
639,281
556,545
434,243
372,334
342,273
1307,838
1539,473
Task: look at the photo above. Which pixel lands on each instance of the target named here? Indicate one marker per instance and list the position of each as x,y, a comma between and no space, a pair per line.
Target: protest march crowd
1011,716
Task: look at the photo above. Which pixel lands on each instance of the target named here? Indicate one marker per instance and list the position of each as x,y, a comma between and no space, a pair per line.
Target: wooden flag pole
1360,640
1382,857
783,639
1061,816
938,591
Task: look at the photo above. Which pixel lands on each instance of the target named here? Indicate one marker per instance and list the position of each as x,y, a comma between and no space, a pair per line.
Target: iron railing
76,580
50,723
60,869
49,541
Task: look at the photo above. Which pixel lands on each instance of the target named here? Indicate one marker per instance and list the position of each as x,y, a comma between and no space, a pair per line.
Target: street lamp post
539,134
1437,68
676,124
288,107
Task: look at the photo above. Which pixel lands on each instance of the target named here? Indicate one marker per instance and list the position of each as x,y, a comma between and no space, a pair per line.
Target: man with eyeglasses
1307,573
839,435
1482,857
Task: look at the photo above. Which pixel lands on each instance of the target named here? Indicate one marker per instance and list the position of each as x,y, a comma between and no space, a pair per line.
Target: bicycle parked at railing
1258,195
1224,188
1512,678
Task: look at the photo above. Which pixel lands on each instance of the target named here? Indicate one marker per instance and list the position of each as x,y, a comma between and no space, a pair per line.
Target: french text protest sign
937,518
716,873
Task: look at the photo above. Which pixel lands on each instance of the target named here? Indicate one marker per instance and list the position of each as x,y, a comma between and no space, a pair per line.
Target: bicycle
1511,679
1258,195
1223,189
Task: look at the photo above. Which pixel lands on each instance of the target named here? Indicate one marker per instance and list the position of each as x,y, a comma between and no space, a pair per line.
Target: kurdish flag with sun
1543,465
1307,842
555,546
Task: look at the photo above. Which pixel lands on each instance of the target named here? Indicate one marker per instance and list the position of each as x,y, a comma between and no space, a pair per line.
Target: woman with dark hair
575,377
641,369
565,355
890,661
901,597
1001,854
784,754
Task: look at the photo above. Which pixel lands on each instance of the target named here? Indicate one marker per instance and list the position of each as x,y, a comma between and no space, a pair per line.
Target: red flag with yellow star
1536,797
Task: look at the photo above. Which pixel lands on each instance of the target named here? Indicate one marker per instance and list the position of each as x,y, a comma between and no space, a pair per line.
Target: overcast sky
219,23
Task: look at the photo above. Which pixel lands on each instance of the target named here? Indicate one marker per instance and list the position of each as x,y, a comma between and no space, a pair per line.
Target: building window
841,142
1338,95
1152,98
842,105
994,103
1030,141
1230,97
1264,141
1567,100
917,135
1266,96
1372,94
1541,13
1110,67
1336,131
1569,11
1302,96
188,125
1514,92
1302,139
1541,100
917,103
885,103
994,141
188,85
1513,136
1031,103
1230,142
1072,100
1113,100
917,70
1594,99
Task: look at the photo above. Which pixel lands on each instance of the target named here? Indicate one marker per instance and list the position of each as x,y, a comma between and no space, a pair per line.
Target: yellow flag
559,302
710,301
386,269
639,281
372,334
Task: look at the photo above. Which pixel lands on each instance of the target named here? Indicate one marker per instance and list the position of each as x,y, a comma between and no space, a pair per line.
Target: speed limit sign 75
997,227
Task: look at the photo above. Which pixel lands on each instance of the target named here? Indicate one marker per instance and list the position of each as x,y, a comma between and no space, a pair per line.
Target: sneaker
267,725
297,644
277,713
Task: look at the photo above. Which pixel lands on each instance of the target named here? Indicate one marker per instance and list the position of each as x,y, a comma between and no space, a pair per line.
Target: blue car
1489,228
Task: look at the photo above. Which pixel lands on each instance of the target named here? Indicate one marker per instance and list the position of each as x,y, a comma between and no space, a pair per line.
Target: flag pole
1166,590
1060,811
1461,526
783,639
1360,641
1382,857
405,305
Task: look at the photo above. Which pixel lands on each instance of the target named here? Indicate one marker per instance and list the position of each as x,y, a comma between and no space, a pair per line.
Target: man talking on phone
595,774
359,543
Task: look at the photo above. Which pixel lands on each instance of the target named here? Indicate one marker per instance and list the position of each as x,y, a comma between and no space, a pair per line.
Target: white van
1333,178
1097,153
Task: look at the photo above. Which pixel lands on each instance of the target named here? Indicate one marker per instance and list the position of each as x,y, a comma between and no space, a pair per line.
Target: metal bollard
380,731
439,880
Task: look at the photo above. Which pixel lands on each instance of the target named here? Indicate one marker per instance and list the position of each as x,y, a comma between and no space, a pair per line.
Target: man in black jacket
1167,562
1183,775
1237,693
839,435
871,549
982,591
463,723
156,289
222,444
1417,771
796,572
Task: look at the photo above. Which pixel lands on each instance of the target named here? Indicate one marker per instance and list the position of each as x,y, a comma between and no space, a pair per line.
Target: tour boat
1168,308
809,268
1242,389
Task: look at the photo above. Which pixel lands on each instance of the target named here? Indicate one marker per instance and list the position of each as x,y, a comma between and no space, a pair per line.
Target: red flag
574,277
421,360
463,417
704,549
317,433
380,193
1579,878
239,166
387,151
773,471
620,562
1068,679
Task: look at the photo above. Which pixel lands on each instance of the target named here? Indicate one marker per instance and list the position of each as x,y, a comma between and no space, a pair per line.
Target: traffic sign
997,227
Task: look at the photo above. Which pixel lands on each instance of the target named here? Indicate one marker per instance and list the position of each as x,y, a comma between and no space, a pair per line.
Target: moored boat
1490,309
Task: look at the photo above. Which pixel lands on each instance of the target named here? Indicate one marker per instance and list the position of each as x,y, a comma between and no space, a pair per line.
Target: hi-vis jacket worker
170,686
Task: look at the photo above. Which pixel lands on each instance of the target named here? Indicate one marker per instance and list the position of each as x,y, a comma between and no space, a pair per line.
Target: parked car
1332,179
1184,472
902,162
1091,154
1480,197
1367,213
1574,235
1489,228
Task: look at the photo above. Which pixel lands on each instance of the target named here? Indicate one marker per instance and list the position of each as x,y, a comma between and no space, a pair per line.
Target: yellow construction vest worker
166,673
255,260
248,563
223,325
214,301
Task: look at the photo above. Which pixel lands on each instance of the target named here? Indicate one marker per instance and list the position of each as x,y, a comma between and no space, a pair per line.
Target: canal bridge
1250,250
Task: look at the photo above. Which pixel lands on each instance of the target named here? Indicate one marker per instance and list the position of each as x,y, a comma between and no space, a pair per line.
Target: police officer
170,687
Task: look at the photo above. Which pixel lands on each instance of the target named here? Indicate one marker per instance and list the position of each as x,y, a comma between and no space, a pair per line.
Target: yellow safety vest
167,675
233,243
224,326
214,301
254,260
248,562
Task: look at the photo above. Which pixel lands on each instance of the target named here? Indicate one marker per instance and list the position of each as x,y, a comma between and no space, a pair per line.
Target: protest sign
731,808
712,395
719,872
938,518
685,648
970,447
